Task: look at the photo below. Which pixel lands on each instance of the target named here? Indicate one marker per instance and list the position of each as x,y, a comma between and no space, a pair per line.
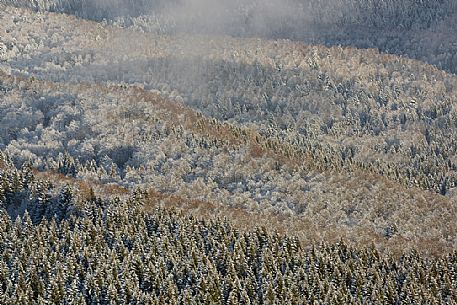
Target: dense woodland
170,163
67,251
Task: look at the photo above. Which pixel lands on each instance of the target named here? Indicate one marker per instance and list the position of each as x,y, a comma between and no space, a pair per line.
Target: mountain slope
171,165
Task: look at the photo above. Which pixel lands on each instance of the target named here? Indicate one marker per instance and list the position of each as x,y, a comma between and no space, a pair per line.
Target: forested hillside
190,160
161,144
332,100
343,140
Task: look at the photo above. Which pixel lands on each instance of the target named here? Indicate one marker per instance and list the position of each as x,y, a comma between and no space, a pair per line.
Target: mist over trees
404,14
423,30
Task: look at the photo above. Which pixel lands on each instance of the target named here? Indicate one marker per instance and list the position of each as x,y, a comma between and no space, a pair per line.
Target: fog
238,18
279,18
423,30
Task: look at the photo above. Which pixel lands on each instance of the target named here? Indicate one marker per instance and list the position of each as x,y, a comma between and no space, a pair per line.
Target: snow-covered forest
70,246
112,252
115,116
